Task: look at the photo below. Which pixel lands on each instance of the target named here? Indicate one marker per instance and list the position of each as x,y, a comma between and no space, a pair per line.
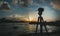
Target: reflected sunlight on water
30,28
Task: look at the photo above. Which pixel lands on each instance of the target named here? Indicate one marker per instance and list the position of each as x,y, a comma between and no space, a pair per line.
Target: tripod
41,23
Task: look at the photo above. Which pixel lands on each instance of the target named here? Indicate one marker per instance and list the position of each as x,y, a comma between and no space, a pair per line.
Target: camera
40,11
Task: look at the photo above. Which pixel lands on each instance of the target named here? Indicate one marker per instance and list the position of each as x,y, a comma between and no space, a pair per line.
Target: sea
22,28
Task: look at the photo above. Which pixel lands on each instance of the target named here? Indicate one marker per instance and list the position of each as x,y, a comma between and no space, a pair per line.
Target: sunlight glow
30,28
30,18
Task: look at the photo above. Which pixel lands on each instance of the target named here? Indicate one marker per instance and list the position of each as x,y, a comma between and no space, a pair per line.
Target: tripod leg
46,29
41,31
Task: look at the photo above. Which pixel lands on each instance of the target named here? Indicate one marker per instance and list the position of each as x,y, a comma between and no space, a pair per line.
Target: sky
29,9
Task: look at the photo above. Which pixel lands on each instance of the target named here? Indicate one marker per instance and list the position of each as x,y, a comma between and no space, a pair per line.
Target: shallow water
24,28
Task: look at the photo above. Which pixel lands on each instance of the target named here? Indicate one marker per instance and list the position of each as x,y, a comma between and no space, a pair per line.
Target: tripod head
40,11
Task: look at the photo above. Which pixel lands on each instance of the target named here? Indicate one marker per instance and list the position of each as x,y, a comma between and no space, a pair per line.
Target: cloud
5,6
14,2
56,1
43,1
22,3
56,4
29,1
25,3
1,3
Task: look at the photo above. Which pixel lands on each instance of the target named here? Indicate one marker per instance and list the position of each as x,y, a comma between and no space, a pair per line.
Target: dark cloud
14,2
56,4
56,1
25,3
5,6
7,0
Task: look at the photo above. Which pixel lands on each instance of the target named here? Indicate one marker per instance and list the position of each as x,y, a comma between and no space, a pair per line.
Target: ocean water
23,28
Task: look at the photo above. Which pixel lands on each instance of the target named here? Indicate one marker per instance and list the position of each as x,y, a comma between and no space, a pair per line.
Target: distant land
54,23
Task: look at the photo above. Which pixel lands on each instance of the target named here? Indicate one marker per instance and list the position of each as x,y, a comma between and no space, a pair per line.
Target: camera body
40,11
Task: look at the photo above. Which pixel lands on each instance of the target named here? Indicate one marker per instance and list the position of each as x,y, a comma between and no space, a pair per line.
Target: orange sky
32,17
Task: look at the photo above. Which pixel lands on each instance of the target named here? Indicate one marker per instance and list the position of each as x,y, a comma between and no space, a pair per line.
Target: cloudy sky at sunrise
28,9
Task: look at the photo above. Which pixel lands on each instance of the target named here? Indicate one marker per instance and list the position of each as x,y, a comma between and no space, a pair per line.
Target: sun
30,18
